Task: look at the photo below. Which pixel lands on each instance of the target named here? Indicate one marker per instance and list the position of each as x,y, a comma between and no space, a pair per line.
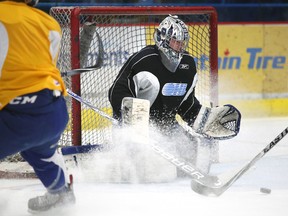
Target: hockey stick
80,70
219,184
97,110
86,38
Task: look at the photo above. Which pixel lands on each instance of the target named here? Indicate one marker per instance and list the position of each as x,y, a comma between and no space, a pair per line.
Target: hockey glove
218,122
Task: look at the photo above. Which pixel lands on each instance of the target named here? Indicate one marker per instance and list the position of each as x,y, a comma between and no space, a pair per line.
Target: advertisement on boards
253,69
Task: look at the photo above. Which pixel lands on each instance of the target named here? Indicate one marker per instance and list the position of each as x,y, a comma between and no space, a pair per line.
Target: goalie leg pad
135,111
218,122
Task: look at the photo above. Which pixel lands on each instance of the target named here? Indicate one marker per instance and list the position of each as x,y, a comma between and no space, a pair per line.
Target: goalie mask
31,3
171,38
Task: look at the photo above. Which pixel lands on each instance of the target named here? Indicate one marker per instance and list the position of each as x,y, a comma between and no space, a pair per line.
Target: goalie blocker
218,122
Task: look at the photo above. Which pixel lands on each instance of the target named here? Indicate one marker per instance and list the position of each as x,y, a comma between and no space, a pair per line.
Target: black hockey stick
80,70
87,36
215,186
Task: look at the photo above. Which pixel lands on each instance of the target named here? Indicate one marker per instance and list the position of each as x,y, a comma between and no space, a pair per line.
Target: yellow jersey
29,47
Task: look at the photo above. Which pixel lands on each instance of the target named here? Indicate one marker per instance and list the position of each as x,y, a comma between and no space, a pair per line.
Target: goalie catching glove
218,122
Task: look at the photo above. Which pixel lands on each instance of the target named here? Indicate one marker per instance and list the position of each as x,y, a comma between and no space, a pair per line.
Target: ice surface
176,198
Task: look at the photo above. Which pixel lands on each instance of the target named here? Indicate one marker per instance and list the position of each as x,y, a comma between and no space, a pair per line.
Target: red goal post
123,31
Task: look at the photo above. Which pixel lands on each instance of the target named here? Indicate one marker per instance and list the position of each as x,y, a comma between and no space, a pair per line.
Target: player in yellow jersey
33,112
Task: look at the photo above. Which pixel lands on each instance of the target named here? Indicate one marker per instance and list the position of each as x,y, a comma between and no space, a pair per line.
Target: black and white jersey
144,76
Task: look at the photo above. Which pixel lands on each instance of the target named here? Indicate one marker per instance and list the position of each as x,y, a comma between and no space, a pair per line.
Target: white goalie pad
135,115
148,165
218,122
135,111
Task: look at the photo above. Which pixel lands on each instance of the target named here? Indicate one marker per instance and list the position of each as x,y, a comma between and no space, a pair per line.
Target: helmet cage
172,38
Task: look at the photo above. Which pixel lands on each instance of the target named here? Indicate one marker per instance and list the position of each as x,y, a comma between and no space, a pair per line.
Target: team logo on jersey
184,66
174,89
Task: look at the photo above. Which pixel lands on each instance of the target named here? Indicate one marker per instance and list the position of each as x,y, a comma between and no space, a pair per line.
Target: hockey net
122,31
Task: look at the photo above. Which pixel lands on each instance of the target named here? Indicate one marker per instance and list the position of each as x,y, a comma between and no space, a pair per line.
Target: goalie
165,74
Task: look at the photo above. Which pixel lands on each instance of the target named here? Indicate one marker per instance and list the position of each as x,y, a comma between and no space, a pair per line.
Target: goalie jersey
23,69
170,93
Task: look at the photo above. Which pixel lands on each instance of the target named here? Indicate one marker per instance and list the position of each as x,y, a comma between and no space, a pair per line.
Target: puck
265,190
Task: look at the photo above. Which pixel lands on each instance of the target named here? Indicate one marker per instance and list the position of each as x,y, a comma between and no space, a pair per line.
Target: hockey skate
52,200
